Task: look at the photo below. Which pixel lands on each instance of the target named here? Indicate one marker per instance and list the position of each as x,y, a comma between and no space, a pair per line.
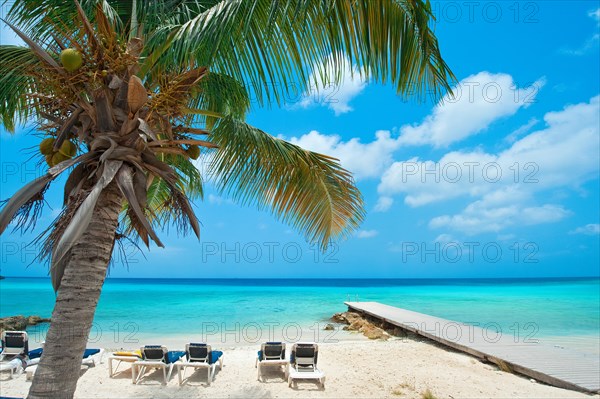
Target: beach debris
401,389
427,394
502,365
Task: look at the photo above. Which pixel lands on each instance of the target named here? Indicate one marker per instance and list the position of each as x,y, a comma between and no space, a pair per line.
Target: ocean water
132,312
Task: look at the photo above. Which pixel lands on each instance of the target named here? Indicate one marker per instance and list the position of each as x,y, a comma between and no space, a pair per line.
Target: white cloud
521,130
364,160
591,229
590,44
325,93
366,233
217,200
488,216
564,153
503,186
444,239
478,101
475,107
383,204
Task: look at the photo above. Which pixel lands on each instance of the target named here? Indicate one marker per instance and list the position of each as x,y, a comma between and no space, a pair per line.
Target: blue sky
501,181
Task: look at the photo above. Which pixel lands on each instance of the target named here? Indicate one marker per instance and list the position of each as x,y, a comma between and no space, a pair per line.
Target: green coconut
46,146
68,149
71,59
49,160
193,151
58,158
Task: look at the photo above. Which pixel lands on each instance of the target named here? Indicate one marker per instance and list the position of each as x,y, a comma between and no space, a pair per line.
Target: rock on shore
20,323
356,322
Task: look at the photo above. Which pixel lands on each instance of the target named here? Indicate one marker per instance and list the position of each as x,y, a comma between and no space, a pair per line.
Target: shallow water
131,312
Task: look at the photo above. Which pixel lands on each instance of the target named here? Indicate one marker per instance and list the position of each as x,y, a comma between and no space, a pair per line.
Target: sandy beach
404,368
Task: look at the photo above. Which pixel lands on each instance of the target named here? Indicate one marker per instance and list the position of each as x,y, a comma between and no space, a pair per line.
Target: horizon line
335,278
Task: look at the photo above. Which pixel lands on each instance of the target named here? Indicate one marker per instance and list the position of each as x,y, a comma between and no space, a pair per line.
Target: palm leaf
310,191
125,182
80,222
22,197
271,46
16,84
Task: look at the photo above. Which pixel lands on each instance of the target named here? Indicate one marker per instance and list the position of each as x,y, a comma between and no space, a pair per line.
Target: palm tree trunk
60,365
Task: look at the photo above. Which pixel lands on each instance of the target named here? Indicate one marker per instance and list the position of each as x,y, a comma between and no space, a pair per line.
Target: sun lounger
199,356
303,364
14,343
119,357
90,358
14,366
154,357
271,354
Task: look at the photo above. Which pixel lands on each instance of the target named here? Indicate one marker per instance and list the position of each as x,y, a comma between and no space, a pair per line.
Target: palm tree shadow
316,383
122,374
156,375
199,377
272,375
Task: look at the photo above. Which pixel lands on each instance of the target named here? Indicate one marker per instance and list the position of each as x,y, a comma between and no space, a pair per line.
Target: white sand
367,369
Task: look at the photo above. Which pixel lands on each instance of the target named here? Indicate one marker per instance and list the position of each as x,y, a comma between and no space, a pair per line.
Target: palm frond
16,84
222,94
309,191
79,222
271,46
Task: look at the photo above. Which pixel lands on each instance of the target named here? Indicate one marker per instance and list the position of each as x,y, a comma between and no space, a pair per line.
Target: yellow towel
129,353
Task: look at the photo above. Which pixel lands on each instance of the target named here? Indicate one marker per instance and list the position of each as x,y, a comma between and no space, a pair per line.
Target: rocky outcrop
356,322
20,323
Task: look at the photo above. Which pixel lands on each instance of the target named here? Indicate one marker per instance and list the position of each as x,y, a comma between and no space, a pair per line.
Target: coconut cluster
67,150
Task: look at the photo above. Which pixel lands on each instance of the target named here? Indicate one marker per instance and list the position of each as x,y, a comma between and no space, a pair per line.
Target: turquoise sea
131,312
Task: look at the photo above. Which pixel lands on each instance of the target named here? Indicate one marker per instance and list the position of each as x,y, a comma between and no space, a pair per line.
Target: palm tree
128,94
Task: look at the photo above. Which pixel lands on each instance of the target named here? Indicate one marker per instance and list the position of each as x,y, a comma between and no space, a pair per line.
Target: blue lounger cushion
214,356
34,354
90,352
173,356
260,353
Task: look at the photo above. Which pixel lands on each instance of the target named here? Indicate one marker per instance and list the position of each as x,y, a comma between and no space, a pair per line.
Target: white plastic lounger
119,358
200,356
14,366
14,343
303,363
271,354
153,357
91,358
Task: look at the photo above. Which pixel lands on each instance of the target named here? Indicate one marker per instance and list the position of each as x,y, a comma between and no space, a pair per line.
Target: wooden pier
552,365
